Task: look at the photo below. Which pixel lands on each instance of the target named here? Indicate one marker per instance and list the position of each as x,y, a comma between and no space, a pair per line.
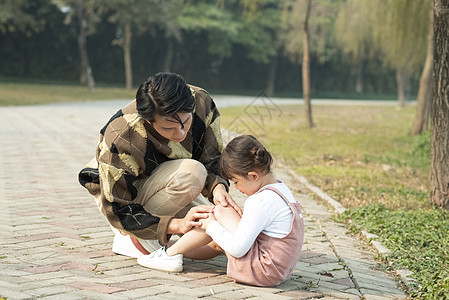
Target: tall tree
132,16
84,16
386,28
261,34
317,20
353,29
169,25
306,64
439,175
401,39
86,76
421,120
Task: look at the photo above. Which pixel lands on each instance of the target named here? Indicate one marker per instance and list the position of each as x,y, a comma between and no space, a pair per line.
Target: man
156,159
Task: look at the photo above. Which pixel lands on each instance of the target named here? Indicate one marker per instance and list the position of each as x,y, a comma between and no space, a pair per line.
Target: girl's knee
227,217
220,211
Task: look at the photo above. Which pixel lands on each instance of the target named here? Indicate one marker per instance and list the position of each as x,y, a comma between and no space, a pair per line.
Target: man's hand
192,219
221,197
207,221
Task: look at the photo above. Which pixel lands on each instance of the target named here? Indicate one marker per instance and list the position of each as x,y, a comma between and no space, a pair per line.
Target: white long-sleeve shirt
263,212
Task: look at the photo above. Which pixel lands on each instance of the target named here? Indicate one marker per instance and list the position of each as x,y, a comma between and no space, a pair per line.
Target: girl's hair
242,155
164,94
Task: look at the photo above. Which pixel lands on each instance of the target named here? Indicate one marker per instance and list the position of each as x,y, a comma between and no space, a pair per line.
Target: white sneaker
159,260
124,245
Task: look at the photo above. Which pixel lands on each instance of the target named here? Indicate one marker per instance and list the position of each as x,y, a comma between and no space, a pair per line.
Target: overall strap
276,191
290,205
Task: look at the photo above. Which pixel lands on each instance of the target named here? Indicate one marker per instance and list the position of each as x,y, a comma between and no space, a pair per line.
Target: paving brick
143,293
90,294
14,294
377,295
332,286
345,281
119,278
50,291
240,294
217,289
302,295
351,294
62,297
96,287
201,274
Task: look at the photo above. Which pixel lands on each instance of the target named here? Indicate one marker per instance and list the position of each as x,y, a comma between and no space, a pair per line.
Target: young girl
264,244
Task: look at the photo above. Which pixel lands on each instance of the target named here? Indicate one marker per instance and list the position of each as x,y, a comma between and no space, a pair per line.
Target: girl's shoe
159,260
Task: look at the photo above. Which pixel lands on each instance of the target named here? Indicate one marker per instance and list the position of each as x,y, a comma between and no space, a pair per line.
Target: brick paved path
55,244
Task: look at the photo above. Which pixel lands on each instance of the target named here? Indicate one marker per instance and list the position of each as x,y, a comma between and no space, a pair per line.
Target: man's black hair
164,94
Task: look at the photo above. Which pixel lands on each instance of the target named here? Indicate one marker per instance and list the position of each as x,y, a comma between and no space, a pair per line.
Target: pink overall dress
270,260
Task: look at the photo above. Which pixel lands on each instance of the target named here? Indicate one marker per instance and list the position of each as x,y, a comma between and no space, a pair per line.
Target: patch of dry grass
31,94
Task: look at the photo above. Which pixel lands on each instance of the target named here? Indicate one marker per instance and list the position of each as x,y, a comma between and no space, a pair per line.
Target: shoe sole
173,270
128,253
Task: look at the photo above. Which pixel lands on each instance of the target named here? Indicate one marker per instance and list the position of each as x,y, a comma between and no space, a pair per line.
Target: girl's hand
221,197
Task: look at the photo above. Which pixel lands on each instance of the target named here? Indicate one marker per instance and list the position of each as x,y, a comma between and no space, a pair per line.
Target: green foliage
402,39
417,239
356,18
218,22
261,32
421,149
22,16
417,156
321,28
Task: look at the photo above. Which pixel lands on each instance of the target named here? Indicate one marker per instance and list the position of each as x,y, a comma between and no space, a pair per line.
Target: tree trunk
86,76
306,66
359,76
169,55
401,82
421,122
127,56
272,75
439,175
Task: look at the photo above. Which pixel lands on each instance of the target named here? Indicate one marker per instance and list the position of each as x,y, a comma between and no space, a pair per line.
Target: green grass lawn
361,156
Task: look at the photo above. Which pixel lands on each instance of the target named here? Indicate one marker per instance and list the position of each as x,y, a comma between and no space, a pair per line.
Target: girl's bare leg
205,252
193,239
197,244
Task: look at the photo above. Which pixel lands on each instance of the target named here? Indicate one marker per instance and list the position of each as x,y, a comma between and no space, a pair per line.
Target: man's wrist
174,227
219,186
